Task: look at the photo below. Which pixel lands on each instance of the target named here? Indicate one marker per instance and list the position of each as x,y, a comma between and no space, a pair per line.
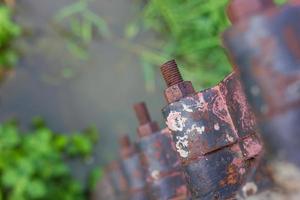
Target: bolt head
238,10
178,91
147,129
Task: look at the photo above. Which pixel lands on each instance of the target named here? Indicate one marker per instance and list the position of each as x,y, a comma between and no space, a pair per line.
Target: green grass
82,26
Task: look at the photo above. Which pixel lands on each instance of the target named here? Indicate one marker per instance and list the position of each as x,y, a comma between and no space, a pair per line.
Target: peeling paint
202,104
196,129
217,126
249,189
182,146
175,121
187,108
155,174
229,138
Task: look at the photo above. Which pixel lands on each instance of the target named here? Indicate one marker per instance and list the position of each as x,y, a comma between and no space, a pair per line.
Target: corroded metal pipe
160,161
213,132
264,46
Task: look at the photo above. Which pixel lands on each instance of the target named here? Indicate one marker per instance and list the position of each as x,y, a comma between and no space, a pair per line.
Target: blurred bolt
242,9
147,126
142,113
126,147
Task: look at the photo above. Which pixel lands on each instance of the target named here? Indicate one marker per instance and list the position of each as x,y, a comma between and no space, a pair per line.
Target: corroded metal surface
164,174
160,160
210,120
265,48
115,176
214,135
133,170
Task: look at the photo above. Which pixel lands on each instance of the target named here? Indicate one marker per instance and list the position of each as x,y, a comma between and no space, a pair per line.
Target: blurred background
70,71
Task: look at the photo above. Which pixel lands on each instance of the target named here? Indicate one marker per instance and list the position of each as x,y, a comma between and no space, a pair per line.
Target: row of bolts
211,148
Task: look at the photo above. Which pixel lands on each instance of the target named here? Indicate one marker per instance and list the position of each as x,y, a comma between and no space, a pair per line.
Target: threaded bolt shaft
171,73
142,113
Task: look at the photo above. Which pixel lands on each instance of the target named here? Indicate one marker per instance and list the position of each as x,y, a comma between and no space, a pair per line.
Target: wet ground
71,94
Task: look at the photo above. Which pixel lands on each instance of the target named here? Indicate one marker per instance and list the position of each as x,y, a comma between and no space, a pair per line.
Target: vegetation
190,31
32,163
9,31
279,2
81,24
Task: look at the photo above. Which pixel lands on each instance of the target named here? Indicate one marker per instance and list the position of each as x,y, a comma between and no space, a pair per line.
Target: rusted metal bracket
214,134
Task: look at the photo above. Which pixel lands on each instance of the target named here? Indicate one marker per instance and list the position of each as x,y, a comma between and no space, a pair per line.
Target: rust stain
292,40
232,177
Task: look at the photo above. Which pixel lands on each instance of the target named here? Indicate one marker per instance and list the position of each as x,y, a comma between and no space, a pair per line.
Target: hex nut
147,129
178,91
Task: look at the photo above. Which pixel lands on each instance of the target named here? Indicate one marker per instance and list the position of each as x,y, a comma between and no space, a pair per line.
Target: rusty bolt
171,73
126,147
142,113
241,9
177,87
147,126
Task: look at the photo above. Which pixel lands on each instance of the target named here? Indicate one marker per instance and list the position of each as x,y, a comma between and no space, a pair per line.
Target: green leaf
131,30
36,189
94,177
80,145
10,177
72,9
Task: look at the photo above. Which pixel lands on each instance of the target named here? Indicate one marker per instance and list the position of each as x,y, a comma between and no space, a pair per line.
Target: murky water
101,89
